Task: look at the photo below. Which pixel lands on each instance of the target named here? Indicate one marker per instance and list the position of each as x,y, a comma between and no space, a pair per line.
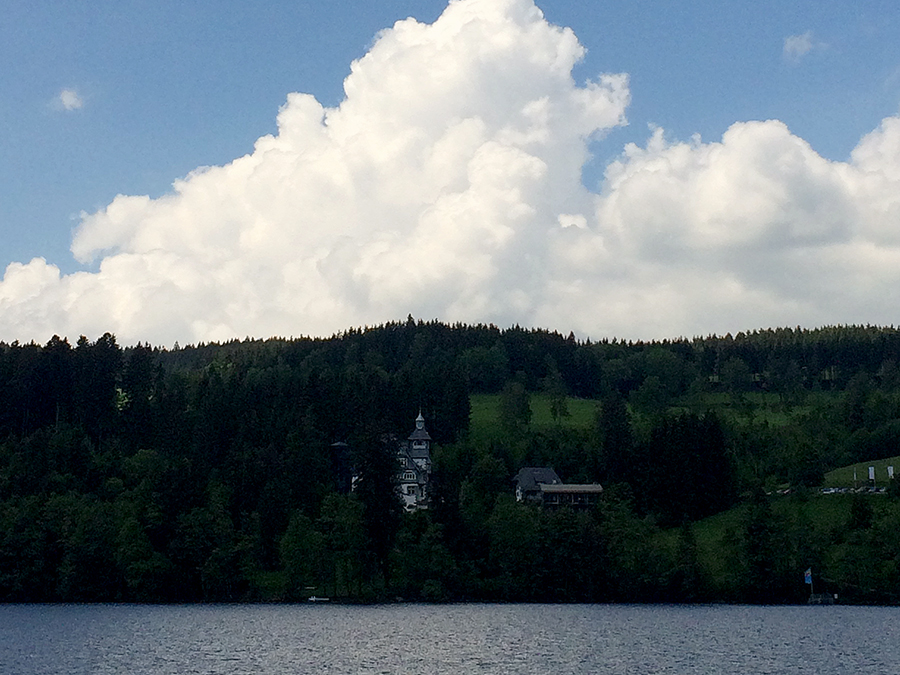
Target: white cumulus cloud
797,46
69,99
448,185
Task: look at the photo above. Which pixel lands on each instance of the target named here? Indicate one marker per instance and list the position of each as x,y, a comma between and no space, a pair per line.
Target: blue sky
103,98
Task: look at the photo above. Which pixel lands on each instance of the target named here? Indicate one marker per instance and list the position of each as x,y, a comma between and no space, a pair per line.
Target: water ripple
438,640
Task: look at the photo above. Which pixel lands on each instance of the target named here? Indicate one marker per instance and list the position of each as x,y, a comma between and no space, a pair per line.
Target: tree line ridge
207,472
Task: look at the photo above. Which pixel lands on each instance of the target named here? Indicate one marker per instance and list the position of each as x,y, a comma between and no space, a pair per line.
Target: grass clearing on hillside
843,477
484,421
821,512
711,535
582,412
718,536
757,407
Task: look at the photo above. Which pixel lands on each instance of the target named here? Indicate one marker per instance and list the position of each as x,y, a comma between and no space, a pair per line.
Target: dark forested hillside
211,472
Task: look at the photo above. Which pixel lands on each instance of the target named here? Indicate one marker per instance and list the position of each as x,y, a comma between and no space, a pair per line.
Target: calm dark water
426,639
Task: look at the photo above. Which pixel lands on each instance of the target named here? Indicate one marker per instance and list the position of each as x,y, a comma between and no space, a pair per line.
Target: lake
438,639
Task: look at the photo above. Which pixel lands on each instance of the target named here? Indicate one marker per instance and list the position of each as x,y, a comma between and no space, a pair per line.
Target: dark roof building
542,486
529,480
573,495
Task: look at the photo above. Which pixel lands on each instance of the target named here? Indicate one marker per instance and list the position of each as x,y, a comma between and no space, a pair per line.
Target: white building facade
414,471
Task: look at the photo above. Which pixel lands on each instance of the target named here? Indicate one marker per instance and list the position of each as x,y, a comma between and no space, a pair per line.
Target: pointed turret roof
419,434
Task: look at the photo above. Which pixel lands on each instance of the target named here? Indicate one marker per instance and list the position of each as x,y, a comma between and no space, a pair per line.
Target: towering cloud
447,184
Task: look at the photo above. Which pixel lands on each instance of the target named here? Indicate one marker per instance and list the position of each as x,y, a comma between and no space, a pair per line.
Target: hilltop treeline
210,472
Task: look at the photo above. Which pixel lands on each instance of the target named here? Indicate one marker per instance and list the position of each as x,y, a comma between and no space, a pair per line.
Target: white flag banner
891,472
871,473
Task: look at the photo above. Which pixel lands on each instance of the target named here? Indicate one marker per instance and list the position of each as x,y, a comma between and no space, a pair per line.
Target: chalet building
541,485
574,495
529,481
414,471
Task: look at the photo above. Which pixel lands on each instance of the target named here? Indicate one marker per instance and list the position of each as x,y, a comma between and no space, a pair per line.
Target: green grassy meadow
712,535
758,407
843,477
484,421
816,517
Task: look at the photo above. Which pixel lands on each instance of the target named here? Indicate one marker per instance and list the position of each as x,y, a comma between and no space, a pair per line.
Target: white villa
414,458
